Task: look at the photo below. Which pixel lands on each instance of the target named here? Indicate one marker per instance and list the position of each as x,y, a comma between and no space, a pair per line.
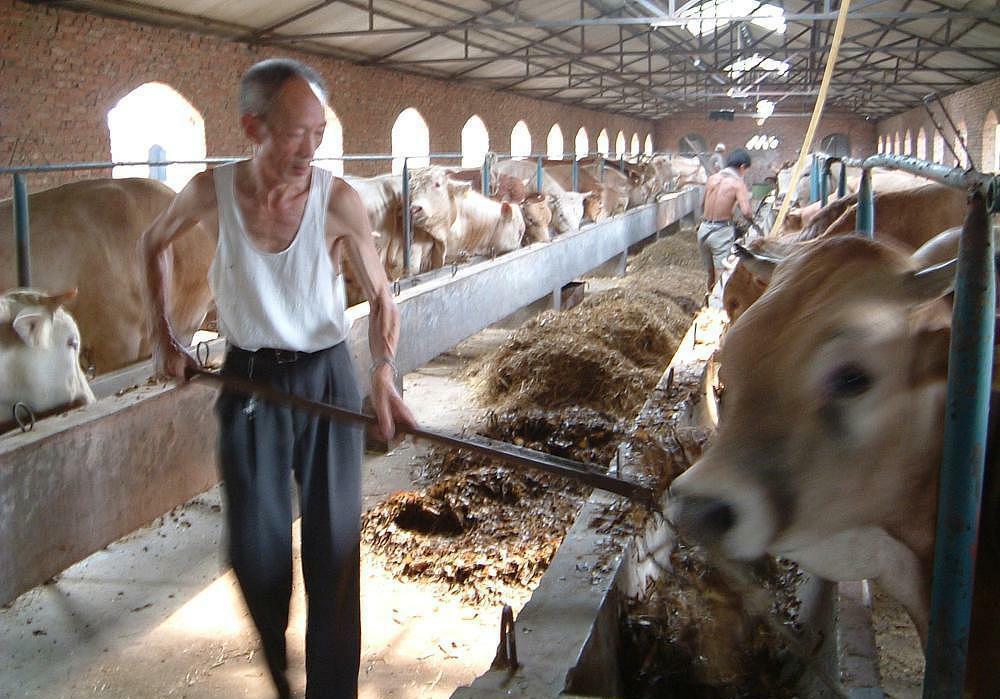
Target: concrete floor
158,614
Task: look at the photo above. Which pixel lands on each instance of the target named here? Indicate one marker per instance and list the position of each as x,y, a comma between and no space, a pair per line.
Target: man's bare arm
192,204
347,210
743,199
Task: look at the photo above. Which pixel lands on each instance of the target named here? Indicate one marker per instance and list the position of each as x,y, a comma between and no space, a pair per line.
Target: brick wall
62,71
976,108
790,132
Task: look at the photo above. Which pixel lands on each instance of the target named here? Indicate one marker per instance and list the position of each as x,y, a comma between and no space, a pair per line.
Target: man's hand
170,359
389,407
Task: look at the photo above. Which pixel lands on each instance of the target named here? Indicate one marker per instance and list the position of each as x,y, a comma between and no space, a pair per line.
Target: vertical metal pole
601,177
866,205
824,187
407,221
970,363
538,174
576,175
557,299
842,183
814,177
486,175
21,231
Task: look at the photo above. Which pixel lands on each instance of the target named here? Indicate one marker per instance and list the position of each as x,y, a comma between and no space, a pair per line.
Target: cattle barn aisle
158,614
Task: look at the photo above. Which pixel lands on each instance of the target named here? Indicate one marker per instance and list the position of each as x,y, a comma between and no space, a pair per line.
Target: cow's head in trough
567,211
835,385
39,355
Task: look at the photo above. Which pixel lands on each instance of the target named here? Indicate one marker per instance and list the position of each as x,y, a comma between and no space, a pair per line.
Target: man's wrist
380,362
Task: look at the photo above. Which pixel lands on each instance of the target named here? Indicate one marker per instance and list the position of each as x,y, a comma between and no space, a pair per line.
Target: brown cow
848,352
84,235
537,218
910,217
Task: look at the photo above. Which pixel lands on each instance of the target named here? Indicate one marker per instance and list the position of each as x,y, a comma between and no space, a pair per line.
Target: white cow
39,355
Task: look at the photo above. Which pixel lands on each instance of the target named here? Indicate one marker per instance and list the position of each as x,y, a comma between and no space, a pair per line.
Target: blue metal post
824,187
576,175
21,231
538,174
407,222
866,205
970,365
601,176
486,175
842,183
814,177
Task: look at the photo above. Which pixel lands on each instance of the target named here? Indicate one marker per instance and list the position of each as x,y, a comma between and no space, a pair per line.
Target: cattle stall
568,638
89,476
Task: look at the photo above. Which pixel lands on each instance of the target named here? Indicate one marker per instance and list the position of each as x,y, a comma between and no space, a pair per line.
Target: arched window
332,145
907,143
880,145
602,143
410,139
520,140
962,136
554,143
836,144
692,144
620,145
938,147
648,146
151,115
582,145
922,144
898,146
633,149
991,143
475,142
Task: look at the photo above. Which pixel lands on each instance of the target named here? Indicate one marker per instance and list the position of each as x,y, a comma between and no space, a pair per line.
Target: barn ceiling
643,58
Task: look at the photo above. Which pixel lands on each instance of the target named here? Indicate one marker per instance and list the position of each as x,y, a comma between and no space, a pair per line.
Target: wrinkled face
290,133
831,417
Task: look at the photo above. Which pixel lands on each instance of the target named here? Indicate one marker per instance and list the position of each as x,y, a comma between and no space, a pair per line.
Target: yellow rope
838,33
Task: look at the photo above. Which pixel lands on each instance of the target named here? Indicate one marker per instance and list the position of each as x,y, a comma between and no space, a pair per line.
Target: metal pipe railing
22,232
970,368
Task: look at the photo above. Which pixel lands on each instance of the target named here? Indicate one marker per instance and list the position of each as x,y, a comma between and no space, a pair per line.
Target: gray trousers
715,241
261,445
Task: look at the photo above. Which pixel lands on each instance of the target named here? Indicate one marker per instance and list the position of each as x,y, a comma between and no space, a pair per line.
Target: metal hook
454,267
396,287
203,345
24,416
507,655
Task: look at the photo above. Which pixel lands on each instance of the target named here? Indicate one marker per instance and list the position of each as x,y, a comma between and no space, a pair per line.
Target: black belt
708,220
268,355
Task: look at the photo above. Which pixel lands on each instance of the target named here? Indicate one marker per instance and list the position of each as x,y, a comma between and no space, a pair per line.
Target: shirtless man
281,227
723,191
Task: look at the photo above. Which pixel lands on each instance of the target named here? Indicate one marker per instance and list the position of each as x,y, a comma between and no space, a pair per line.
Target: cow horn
931,282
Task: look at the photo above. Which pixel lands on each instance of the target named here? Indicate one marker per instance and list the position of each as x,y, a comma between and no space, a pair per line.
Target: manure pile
565,383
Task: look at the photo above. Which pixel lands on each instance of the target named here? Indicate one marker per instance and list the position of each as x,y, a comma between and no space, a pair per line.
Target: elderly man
282,227
723,192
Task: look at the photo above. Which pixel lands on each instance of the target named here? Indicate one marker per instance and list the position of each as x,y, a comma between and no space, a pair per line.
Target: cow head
432,200
39,353
537,218
593,207
834,388
567,211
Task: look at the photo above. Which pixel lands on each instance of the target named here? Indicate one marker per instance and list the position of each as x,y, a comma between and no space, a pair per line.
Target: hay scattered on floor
678,249
564,383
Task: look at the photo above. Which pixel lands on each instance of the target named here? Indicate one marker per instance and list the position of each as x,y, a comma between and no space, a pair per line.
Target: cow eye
72,343
849,381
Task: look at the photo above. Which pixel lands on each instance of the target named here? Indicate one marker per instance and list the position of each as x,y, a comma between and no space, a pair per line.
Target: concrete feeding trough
83,479
568,636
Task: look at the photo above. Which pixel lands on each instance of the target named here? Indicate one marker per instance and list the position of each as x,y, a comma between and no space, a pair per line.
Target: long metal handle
585,473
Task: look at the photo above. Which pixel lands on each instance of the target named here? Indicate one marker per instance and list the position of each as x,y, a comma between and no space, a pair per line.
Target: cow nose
416,210
705,520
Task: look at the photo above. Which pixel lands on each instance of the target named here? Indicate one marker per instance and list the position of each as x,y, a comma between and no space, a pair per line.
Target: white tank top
289,300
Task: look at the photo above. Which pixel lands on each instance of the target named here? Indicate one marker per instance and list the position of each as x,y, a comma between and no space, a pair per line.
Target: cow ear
505,210
457,186
760,266
931,282
52,303
930,360
33,327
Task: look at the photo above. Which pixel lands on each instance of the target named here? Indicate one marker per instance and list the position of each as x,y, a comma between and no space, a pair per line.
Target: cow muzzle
703,520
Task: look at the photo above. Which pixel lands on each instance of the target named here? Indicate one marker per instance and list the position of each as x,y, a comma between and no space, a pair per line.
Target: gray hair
260,85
